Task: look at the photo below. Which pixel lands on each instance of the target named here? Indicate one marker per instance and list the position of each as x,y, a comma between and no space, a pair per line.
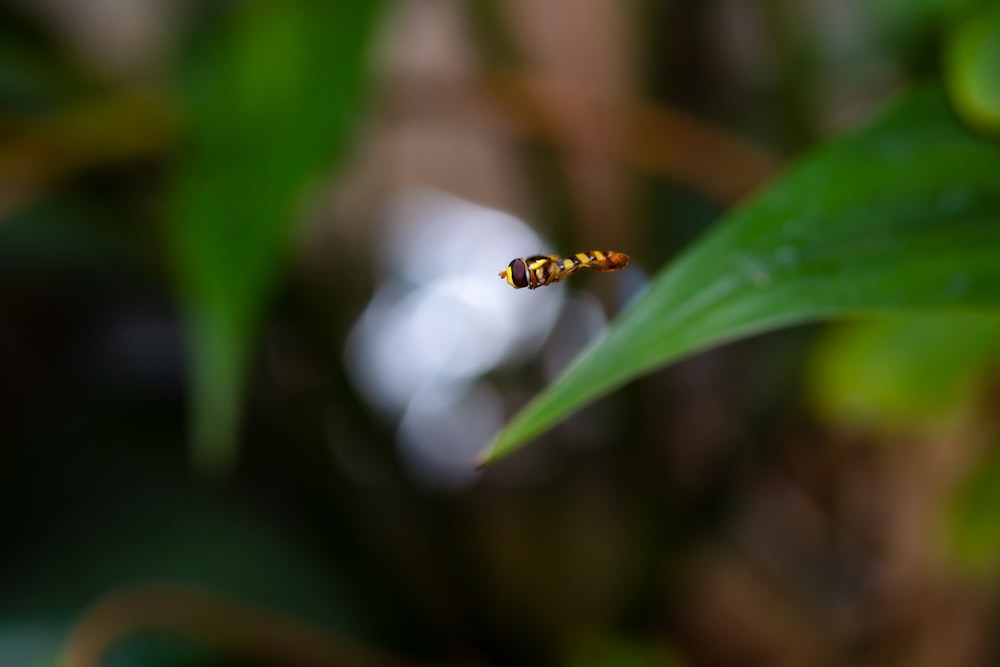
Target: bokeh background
252,341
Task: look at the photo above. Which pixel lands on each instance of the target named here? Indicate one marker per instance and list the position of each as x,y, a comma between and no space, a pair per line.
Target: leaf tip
486,457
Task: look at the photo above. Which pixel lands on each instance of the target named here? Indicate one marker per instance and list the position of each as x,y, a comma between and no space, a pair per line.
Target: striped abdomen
540,270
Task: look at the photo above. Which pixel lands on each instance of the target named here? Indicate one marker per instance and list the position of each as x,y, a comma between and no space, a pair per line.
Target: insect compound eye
518,273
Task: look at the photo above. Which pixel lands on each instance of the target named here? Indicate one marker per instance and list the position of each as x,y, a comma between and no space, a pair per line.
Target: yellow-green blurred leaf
973,68
904,373
605,651
973,530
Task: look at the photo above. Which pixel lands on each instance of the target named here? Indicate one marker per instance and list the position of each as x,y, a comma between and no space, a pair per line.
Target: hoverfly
541,270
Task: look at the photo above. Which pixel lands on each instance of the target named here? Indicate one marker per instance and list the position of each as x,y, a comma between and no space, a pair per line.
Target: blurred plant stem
667,142
234,627
670,143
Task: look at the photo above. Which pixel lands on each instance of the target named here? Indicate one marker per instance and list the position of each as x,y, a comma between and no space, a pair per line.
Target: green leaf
269,98
973,68
904,215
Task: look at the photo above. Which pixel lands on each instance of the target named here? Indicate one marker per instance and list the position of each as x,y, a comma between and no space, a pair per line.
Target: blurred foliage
161,325
906,374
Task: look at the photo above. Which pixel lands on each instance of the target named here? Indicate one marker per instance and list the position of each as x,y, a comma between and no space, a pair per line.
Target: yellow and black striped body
541,270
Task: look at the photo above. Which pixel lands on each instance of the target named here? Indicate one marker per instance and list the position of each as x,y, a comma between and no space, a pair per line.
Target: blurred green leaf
269,102
973,68
902,373
904,215
972,529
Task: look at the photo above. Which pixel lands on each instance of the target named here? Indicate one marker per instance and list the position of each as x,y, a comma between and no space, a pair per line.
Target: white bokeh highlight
440,319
